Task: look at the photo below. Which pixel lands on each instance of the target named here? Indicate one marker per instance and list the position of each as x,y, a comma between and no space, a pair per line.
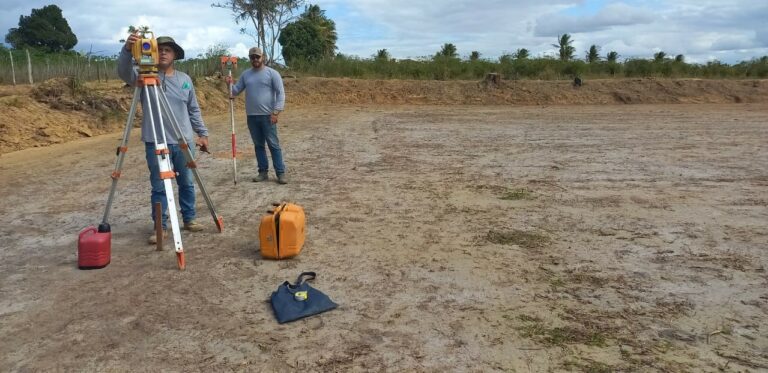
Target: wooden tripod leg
159,225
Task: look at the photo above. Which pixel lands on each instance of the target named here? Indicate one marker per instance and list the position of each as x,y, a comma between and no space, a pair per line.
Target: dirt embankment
61,110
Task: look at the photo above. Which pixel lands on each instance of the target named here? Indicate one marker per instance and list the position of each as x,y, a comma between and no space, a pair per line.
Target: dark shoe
281,179
262,177
193,226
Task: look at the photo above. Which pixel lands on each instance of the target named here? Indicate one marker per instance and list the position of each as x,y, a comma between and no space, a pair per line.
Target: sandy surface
62,110
454,238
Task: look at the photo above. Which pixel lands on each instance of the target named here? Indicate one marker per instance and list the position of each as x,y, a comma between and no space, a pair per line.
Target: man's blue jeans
183,181
262,130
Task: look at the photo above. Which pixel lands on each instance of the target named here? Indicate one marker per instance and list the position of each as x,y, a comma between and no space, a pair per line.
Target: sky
702,30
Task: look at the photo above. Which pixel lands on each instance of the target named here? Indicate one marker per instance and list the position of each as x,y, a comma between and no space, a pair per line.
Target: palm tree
448,50
327,27
566,49
659,56
593,54
382,55
522,54
612,56
314,13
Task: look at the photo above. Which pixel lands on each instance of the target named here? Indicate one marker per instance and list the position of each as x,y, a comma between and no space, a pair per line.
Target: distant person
180,92
264,101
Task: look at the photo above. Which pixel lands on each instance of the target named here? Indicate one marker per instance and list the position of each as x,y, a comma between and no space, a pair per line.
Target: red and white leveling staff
229,62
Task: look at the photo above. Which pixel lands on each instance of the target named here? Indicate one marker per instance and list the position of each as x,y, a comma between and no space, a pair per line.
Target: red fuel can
93,248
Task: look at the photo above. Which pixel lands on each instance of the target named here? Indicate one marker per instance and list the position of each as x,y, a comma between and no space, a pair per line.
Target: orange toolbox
281,233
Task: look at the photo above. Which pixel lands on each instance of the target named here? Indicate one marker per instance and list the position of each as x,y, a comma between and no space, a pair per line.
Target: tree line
305,37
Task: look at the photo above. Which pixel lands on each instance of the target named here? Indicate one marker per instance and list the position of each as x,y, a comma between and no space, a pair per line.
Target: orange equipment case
281,233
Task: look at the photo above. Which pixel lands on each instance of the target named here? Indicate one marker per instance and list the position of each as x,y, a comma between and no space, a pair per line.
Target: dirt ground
454,238
61,110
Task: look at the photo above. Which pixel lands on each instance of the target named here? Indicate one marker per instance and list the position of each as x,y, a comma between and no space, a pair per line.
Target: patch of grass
517,195
535,329
527,318
528,240
587,278
556,282
15,101
110,116
559,336
596,339
76,85
589,366
662,346
674,307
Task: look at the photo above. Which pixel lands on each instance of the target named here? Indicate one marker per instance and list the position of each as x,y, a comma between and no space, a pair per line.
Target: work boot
193,226
262,177
281,179
153,238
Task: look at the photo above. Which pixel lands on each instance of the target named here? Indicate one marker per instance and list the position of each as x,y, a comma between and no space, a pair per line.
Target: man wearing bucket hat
264,100
180,92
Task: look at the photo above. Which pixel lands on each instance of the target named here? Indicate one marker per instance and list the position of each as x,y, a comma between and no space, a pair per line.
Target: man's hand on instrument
132,38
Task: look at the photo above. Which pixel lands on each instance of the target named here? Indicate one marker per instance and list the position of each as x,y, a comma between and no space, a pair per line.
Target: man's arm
239,86
277,86
195,118
125,68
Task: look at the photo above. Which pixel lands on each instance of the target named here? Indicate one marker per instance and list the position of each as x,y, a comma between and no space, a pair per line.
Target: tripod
148,83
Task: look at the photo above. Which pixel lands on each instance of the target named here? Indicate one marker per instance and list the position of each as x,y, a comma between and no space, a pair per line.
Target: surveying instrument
146,56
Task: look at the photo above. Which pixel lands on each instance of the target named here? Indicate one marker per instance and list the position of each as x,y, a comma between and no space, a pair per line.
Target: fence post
13,71
105,71
29,67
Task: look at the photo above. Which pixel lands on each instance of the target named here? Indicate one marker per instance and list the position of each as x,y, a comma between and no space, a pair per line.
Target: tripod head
145,53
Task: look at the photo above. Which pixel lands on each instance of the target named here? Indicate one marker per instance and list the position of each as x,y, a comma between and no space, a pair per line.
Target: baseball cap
255,51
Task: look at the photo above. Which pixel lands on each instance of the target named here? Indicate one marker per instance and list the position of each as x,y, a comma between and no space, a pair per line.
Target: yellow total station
145,53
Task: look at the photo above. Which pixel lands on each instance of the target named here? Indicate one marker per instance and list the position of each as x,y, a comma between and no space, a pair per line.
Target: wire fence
29,67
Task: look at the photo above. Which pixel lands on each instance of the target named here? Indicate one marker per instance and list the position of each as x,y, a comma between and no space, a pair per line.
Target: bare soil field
455,238
61,110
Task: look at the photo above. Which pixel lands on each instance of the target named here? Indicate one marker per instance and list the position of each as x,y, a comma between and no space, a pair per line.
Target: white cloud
761,37
700,29
733,42
611,16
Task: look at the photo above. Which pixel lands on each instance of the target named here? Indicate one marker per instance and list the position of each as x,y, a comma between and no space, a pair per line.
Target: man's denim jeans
183,181
262,130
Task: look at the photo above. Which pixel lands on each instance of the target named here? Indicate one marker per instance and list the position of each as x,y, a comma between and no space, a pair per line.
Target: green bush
71,64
